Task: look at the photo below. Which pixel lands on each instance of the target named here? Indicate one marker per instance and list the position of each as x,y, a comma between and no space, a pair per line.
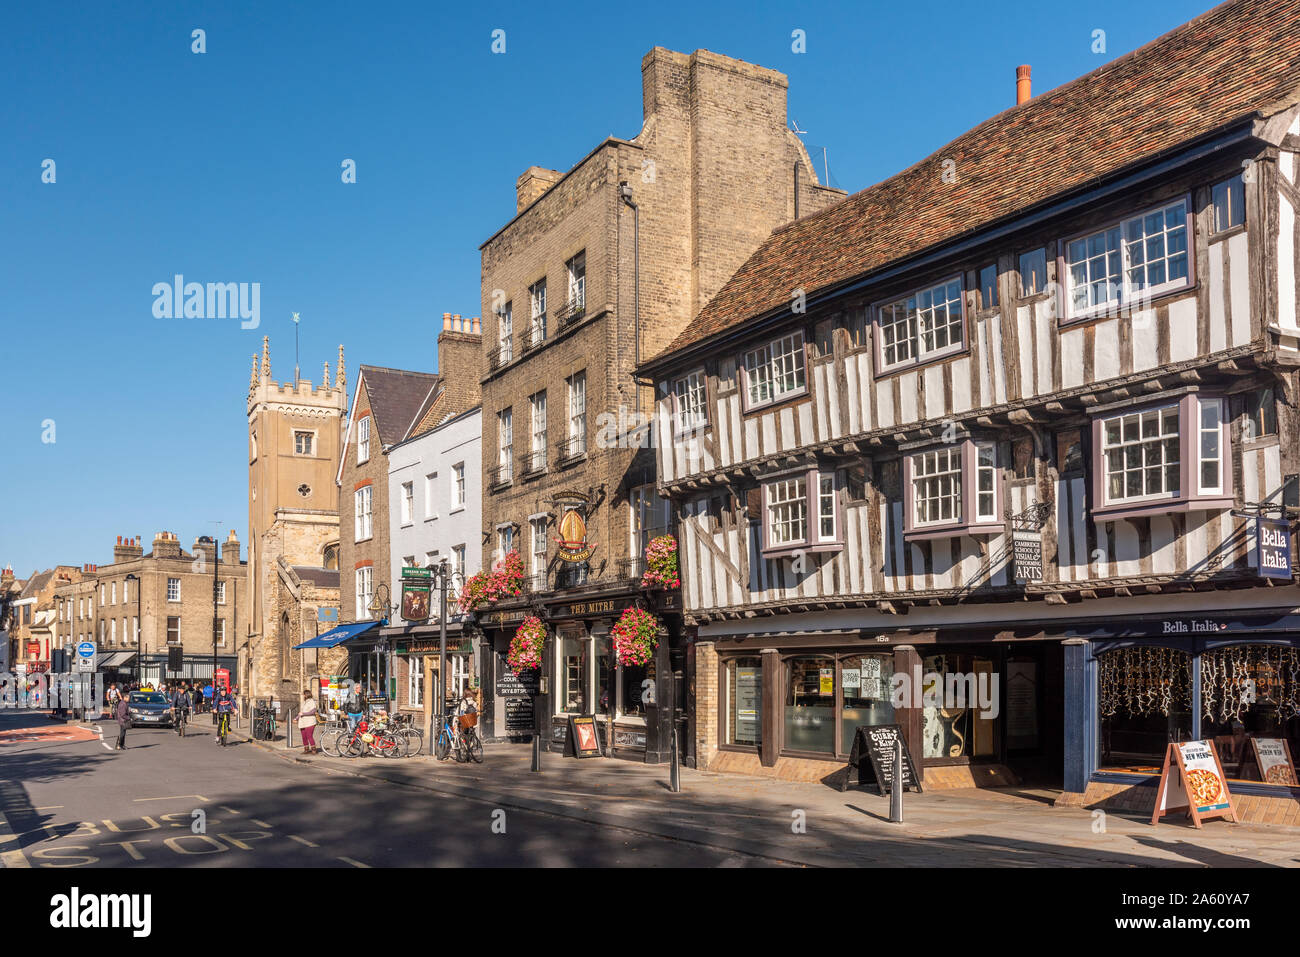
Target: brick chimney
460,357
532,183
166,545
230,550
1023,90
126,549
206,545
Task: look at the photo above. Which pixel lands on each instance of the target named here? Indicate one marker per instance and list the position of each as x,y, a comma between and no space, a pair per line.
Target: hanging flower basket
635,636
661,564
505,580
526,646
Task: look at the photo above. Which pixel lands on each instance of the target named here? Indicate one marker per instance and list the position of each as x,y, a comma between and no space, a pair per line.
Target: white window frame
408,502
456,566
986,463
537,312
505,334
221,632
505,539
506,443
770,365
1235,204
430,495
414,680
173,594
690,402
221,593
537,556
789,493
113,592
112,631
537,417
363,518
1141,443
577,412
135,629
167,638
576,269
905,322
458,486
946,469
310,435
1124,295
364,591
363,439
1220,460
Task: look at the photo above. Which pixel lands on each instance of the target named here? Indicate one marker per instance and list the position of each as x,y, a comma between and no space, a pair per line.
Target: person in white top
307,724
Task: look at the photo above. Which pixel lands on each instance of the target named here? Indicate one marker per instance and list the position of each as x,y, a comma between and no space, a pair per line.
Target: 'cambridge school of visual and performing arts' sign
1027,556
1273,547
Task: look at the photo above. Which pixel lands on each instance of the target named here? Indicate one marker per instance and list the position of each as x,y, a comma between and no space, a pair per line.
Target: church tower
295,433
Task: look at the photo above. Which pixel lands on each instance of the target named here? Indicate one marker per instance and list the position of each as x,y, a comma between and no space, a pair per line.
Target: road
168,802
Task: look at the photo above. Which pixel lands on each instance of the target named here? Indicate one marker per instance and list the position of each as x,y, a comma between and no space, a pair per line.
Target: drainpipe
625,193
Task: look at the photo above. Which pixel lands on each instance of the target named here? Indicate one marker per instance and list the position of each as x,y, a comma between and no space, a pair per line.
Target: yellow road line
354,863
229,810
260,823
302,840
175,797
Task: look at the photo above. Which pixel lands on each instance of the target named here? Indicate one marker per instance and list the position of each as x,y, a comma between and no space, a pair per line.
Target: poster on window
872,679
749,695
1273,758
826,681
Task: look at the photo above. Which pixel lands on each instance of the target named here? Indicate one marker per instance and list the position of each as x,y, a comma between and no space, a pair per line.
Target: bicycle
368,739
179,721
463,737
223,727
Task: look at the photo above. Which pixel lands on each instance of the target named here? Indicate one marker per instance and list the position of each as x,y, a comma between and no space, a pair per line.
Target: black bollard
675,767
896,790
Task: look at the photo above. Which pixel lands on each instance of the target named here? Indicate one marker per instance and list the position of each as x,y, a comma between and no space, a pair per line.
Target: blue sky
225,167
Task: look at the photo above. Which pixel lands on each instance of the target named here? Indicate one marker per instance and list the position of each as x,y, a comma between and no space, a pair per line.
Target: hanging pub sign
1273,547
1192,780
574,508
417,586
1027,556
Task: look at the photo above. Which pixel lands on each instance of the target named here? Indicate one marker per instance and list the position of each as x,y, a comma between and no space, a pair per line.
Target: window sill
1124,310
931,533
1162,506
458,508
430,518
770,404
789,551
920,363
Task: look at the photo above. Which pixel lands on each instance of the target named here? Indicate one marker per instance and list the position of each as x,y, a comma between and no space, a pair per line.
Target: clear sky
225,166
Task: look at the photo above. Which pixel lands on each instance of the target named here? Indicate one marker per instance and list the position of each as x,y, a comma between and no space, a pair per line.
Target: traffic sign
87,658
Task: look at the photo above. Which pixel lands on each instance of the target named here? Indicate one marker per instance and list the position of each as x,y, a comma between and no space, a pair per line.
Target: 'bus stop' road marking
175,797
15,858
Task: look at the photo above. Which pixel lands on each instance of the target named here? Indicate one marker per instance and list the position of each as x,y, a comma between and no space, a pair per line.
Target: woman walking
123,715
307,724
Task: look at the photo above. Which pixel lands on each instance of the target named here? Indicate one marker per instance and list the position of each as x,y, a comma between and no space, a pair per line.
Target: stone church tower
295,431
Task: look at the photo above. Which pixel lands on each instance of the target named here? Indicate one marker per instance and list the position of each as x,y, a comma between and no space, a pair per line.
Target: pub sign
416,589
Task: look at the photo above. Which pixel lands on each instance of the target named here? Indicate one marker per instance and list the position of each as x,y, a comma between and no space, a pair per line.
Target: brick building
601,266
143,604
33,606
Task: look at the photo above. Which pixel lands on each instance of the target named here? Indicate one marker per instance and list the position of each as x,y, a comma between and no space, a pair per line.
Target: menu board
873,751
586,740
519,715
1273,758
749,697
1192,779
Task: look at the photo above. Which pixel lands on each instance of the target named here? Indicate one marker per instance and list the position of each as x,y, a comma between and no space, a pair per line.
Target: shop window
865,700
1144,697
810,704
1251,691
744,702
955,692
414,681
635,689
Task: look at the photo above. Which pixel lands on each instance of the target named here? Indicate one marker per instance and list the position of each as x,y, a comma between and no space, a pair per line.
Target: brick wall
706,703
374,549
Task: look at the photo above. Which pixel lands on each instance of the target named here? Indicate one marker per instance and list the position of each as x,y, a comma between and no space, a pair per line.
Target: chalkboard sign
873,752
519,715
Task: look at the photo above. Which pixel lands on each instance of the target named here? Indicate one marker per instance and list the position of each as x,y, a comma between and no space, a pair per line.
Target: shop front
975,706
634,705
1136,686
415,664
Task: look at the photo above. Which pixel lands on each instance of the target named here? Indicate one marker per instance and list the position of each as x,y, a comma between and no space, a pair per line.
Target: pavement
168,802
814,825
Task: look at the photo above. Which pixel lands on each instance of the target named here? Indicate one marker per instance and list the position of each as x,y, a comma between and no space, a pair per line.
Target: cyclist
180,709
223,703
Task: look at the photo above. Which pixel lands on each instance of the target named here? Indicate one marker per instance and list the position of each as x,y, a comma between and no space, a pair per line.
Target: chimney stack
1023,91
460,353
230,550
126,549
532,183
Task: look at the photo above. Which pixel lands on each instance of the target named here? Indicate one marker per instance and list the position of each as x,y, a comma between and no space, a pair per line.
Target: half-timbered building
1016,422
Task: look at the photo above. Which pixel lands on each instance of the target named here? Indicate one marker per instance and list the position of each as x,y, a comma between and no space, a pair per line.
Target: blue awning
336,636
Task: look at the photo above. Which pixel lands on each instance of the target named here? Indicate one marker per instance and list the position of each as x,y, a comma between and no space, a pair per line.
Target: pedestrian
307,724
355,705
123,722
207,696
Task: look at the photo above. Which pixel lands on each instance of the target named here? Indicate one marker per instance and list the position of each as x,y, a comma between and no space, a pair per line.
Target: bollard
675,768
896,789
537,752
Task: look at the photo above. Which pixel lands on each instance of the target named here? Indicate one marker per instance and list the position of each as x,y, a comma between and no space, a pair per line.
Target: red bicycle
366,739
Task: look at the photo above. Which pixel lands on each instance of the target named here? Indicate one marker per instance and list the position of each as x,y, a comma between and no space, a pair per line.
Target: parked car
149,708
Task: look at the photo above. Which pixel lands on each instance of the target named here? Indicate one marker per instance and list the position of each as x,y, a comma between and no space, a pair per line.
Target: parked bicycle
459,737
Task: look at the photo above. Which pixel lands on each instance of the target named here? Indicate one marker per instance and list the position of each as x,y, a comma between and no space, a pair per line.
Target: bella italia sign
1273,548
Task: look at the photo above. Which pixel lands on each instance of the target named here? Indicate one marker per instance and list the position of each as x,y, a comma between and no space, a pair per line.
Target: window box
922,326
1125,265
1160,457
801,513
952,490
774,372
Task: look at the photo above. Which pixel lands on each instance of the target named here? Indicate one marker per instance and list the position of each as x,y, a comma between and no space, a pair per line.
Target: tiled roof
322,577
1238,59
396,395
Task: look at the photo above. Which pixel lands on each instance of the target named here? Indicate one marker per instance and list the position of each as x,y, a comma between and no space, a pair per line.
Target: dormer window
924,325
1169,456
951,490
775,371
